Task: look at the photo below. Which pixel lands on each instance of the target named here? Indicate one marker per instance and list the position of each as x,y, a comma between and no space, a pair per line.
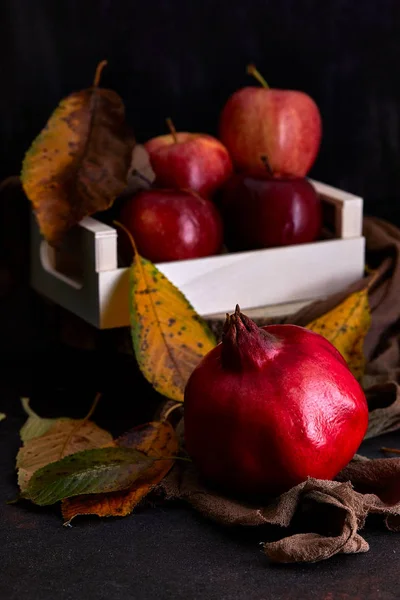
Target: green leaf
34,426
65,437
87,472
2,416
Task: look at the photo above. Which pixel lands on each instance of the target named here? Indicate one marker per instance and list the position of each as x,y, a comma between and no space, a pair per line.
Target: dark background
182,58
177,58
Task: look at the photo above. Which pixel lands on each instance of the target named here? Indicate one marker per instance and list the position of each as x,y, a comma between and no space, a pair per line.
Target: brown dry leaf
156,439
345,327
65,437
79,163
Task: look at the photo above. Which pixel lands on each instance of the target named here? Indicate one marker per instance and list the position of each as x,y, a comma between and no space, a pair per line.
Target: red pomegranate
269,407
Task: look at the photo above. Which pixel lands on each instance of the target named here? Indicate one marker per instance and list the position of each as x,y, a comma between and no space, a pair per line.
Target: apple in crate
170,225
283,125
263,212
182,160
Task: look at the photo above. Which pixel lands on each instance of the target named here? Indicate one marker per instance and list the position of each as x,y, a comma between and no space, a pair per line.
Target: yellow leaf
2,416
169,338
346,326
156,439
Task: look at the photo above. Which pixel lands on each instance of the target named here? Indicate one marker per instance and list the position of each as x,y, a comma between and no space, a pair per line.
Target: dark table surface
167,551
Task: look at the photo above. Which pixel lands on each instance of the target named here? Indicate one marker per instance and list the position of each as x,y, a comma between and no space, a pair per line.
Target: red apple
172,224
265,212
282,125
185,160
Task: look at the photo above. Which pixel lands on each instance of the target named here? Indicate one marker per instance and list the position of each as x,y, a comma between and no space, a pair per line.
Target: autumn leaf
86,472
57,438
156,439
79,162
34,426
169,337
346,326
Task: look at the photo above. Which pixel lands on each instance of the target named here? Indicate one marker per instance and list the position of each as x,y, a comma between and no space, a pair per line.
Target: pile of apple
247,190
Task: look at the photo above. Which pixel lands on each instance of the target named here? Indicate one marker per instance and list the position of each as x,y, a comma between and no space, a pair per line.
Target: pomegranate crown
244,344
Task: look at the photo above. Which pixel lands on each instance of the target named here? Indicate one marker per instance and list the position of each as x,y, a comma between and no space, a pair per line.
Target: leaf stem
27,408
171,409
93,407
184,458
14,500
374,278
128,233
81,422
391,450
98,73
251,70
172,129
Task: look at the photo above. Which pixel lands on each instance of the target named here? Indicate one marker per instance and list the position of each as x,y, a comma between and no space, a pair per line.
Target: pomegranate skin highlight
269,407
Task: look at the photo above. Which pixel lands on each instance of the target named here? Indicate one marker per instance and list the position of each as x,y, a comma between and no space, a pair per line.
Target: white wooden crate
281,279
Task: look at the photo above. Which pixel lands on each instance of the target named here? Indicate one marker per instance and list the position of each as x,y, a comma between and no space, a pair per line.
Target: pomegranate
269,407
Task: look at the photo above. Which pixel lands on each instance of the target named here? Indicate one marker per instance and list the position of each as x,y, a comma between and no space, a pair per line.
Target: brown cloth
318,518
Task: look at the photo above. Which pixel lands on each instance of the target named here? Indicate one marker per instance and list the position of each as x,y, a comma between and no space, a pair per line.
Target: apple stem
172,129
98,73
251,70
267,165
193,192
